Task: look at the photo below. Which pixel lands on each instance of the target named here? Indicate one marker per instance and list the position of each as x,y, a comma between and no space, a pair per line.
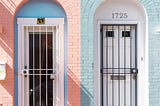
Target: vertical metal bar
39,64
33,68
124,65
57,56
30,62
53,59
27,33
136,64
23,59
113,64
55,65
102,38
118,64
106,28
132,37
101,70
23,84
46,68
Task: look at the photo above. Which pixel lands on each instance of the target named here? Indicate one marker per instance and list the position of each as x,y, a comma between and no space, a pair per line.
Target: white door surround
123,12
54,25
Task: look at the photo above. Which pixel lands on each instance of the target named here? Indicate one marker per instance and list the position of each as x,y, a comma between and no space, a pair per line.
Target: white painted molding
59,24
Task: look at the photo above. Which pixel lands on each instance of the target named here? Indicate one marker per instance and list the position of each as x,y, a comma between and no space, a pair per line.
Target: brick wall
78,60
87,13
7,53
153,12
8,10
72,9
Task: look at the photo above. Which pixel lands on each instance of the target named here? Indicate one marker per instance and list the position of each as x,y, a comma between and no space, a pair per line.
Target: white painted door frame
142,61
59,23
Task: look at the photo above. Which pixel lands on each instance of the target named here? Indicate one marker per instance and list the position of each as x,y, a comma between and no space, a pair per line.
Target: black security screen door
118,65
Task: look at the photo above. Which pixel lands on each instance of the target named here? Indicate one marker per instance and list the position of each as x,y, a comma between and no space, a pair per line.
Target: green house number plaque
40,20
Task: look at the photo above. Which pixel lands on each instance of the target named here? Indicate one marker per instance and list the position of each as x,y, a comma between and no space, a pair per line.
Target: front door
118,65
40,65
40,62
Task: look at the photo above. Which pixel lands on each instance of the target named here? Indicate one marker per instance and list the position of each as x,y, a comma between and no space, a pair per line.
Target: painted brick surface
87,14
80,58
7,54
153,11
8,10
72,9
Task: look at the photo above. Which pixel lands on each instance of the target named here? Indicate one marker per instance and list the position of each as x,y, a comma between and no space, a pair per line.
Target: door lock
134,71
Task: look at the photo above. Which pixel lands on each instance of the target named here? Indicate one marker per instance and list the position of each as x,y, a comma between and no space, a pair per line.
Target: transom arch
23,2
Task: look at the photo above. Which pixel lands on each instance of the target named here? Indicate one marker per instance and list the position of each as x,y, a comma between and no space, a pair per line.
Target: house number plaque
120,15
40,20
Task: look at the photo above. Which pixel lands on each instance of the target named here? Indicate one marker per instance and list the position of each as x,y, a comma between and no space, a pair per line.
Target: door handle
134,71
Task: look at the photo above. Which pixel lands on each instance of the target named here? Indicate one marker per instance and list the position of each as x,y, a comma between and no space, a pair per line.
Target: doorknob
134,71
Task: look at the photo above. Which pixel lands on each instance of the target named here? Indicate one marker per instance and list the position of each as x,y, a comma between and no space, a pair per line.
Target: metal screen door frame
58,24
141,63
118,64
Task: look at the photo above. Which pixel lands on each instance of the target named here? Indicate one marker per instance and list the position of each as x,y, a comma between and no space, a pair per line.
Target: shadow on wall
6,86
10,5
77,91
7,54
87,101
73,89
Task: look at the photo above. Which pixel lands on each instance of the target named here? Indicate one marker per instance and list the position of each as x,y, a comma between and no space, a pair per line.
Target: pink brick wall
72,9
8,10
7,55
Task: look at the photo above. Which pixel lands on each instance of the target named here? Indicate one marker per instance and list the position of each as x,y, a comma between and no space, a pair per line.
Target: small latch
134,71
53,76
25,71
31,90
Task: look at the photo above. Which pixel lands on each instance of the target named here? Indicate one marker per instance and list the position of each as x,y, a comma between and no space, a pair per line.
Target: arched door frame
23,11
142,59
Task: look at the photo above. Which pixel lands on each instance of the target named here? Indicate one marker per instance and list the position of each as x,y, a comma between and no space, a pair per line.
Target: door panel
41,66
118,65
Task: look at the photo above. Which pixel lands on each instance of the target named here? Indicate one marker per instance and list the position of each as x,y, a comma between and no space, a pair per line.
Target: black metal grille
119,65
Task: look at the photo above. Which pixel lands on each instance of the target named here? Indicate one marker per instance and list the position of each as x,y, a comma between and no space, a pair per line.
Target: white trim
33,21
59,23
142,64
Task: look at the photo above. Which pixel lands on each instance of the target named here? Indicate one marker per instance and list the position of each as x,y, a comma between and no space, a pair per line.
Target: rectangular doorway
40,62
118,65
40,65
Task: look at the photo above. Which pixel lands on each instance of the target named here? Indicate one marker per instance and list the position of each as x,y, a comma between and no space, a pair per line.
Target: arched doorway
39,38
120,66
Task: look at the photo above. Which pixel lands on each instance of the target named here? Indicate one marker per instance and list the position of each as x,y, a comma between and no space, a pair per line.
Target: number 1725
119,15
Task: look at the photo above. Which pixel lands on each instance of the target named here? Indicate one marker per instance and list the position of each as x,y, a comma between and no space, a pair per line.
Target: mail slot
118,77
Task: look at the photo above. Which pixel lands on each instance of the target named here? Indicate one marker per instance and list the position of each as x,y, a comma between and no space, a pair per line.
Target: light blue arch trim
38,9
